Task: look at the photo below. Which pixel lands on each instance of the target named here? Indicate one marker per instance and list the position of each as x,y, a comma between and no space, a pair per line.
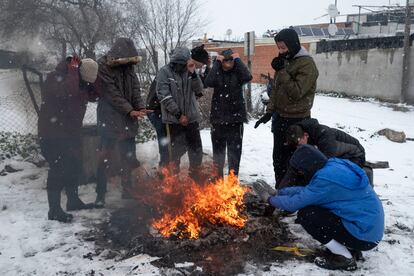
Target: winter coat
333,142
63,104
120,93
294,87
177,91
227,104
341,187
152,102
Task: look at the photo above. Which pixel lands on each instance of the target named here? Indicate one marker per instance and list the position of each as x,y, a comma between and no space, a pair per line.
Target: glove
278,63
265,118
264,191
74,64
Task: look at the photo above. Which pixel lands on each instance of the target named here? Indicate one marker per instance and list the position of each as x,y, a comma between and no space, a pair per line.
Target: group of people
319,171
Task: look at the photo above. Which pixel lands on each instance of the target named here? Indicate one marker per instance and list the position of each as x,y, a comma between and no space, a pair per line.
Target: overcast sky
260,15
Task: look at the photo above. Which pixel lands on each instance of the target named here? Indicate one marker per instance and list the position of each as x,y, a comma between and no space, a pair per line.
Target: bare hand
183,120
138,114
220,58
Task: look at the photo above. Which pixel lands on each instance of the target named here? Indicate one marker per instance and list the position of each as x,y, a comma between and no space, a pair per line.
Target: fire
186,206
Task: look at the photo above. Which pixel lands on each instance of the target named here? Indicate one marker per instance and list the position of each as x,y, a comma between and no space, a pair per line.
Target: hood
291,39
302,53
180,55
310,126
336,170
308,160
123,48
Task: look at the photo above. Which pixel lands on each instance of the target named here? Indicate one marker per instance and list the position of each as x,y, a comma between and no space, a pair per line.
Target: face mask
284,55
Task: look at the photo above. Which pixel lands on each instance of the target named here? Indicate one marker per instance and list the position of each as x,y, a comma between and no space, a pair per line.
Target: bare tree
78,24
163,24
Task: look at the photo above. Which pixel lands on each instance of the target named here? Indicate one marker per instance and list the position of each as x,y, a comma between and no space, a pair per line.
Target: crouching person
338,207
65,95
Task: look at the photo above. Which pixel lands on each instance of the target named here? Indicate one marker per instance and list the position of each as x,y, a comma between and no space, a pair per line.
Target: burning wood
185,206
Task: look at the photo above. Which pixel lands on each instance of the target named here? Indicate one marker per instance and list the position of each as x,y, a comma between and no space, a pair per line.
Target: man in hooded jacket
65,95
177,87
119,108
292,95
337,207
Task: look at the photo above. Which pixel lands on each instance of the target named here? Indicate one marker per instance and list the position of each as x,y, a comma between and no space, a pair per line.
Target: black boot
336,262
74,202
55,211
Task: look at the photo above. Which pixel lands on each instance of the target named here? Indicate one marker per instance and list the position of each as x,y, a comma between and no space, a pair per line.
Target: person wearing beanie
292,95
228,109
177,88
202,61
119,109
65,95
337,207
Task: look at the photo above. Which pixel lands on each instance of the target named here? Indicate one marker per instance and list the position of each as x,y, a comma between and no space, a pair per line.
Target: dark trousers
281,151
324,226
228,136
118,157
156,120
186,138
65,166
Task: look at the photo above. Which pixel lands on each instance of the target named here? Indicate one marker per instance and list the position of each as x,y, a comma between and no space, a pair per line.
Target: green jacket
294,87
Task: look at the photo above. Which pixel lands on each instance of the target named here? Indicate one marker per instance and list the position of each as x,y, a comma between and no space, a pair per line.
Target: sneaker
59,215
77,204
100,201
336,262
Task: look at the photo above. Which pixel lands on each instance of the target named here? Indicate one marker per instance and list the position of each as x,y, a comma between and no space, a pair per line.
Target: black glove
278,63
265,118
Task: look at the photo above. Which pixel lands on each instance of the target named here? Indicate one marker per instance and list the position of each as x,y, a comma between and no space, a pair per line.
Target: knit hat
291,39
199,54
227,54
180,55
88,70
308,159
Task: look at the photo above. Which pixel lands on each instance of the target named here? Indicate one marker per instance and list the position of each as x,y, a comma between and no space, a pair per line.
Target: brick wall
263,55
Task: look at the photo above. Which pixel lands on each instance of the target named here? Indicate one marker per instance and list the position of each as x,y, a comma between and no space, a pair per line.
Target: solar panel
307,31
349,31
341,31
317,31
325,31
297,29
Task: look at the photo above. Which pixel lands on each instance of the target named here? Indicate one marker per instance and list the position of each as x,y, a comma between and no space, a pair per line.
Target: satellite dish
332,29
229,32
333,11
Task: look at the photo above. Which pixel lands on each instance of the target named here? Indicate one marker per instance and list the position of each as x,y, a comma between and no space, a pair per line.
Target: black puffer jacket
228,105
333,142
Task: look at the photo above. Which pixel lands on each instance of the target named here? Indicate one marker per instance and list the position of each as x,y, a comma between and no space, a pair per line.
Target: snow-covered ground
32,245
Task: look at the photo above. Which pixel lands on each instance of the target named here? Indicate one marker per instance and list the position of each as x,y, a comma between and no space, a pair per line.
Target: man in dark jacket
177,88
330,141
201,60
338,207
65,95
292,95
228,109
119,108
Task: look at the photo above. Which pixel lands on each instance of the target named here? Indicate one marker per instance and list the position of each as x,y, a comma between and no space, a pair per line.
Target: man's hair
293,134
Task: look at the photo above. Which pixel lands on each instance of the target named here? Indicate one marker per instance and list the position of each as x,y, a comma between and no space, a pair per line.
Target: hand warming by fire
185,206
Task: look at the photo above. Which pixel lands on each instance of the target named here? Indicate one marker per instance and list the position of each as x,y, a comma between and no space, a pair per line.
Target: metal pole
405,83
249,85
359,19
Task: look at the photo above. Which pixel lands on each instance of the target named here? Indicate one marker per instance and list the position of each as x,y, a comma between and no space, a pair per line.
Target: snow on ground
32,245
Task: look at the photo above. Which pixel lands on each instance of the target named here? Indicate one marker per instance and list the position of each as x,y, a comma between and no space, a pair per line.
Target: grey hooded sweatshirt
177,91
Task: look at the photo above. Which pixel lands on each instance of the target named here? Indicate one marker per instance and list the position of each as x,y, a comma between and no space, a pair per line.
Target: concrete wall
369,73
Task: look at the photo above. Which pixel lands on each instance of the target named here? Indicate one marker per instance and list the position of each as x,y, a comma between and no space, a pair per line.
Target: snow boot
59,215
336,262
74,202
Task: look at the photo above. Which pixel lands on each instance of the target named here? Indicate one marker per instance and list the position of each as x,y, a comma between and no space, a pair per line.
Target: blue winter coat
343,188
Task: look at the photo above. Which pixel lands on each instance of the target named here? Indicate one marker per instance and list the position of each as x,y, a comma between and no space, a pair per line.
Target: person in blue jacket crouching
337,207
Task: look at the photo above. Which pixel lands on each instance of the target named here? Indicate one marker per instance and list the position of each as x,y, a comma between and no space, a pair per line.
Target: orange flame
187,206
